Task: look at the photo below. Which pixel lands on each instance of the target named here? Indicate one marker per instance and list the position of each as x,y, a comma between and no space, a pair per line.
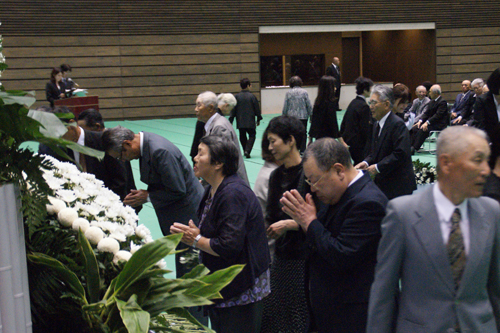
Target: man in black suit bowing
334,70
343,236
389,159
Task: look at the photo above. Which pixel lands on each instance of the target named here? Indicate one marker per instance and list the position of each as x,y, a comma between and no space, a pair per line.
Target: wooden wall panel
166,52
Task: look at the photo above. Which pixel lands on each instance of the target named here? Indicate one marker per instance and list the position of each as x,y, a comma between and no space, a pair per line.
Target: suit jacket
355,126
52,93
222,127
391,152
335,72
437,114
116,175
344,241
462,105
420,109
246,109
324,120
486,118
412,252
174,190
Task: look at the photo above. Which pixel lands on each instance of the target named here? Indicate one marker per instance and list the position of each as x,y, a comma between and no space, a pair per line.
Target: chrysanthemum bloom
94,235
121,255
67,216
109,245
81,223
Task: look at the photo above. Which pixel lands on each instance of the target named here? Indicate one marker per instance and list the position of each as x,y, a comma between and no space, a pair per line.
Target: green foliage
140,297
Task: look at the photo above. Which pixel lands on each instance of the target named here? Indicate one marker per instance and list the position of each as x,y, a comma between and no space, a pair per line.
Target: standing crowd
331,236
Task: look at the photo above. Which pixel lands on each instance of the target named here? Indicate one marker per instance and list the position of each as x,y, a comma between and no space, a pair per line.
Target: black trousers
247,143
241,319
420,136
341,318
304,142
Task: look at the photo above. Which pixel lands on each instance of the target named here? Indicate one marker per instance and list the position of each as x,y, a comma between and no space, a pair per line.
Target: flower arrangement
93,267
425,173
3,65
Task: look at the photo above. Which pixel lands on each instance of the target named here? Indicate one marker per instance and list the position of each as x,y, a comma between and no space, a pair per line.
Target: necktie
456,248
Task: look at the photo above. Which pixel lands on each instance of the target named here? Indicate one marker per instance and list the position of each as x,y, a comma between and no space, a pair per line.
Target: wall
151,58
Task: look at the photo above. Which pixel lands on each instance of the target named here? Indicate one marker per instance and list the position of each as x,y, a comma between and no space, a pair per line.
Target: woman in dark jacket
324,116
55,89
231,231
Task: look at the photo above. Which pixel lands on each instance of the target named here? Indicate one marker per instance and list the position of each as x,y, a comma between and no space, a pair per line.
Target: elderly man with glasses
342,236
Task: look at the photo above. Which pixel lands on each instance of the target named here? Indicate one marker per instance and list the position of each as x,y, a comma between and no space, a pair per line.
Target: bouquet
425,173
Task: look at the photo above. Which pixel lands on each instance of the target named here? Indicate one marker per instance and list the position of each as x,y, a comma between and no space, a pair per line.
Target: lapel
429,235
478,230
383,133
145,159
212,124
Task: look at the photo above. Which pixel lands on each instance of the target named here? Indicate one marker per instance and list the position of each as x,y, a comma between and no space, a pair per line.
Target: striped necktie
456,248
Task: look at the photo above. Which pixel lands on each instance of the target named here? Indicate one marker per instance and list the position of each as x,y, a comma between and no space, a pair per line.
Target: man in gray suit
420,104
215,124
442,246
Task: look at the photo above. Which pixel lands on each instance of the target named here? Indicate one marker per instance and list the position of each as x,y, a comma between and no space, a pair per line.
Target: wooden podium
78,104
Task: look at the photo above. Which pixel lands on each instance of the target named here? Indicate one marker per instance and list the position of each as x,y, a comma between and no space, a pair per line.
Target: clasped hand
190,231
302,211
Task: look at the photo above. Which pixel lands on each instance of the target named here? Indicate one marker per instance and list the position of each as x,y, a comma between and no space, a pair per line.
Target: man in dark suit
334,70
110,171
462,104
246,110
343,236
438,263
486,113
355,127
435,119
389,159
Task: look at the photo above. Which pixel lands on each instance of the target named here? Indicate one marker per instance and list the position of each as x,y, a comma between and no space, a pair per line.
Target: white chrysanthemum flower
67,216
102,201
121,255
128,230
92,209
66,195
112,212
148,239
161,264
94,235
54,182
108,226
82,224
108,245
55,205
118,236
134,247
142,231
81,194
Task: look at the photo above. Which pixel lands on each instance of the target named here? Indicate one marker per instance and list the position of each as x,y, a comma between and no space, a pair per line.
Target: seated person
462,104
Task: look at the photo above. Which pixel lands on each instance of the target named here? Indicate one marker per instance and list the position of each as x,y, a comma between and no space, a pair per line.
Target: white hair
208,98
226,98
478,81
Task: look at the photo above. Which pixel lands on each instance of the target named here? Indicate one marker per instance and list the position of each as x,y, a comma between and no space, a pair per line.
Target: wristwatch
195,242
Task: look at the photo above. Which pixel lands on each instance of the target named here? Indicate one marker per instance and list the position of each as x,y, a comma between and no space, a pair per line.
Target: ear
218,166
445,162
339,169
127,143
292,141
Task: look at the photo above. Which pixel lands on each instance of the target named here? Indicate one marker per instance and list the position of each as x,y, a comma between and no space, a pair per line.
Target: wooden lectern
78,104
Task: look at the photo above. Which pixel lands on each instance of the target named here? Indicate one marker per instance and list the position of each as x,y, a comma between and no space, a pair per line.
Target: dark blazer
246,109
235,226
355,128
115,174
332,71
344,241
52,93
486,118
462,105
437,114
324,120
469,111
174,190
391,152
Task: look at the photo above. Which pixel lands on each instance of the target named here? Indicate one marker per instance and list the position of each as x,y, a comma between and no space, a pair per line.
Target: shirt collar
361,96
358,176
382,121
437,98
81,139
207,124
445,207
141,135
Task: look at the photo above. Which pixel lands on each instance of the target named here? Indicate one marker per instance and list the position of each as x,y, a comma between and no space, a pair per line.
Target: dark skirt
286,308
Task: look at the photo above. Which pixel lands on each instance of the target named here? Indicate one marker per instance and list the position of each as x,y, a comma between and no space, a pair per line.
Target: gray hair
228,99
478,81
384,93
420,86
112,139
436,88
454,140
327,152
208,98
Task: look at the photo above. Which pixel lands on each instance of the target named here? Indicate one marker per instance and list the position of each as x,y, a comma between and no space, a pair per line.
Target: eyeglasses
317,182
373,103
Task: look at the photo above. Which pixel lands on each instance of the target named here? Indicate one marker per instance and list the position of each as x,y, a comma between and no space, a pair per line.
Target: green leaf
196,273
148,255
157,305
18,97
217,280
91,268
64,273
184,313
134,318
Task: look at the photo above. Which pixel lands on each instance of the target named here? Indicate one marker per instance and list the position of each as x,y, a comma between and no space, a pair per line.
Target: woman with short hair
55,89
230,232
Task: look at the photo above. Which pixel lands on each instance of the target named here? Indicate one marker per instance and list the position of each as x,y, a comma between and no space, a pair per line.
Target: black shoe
247,155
